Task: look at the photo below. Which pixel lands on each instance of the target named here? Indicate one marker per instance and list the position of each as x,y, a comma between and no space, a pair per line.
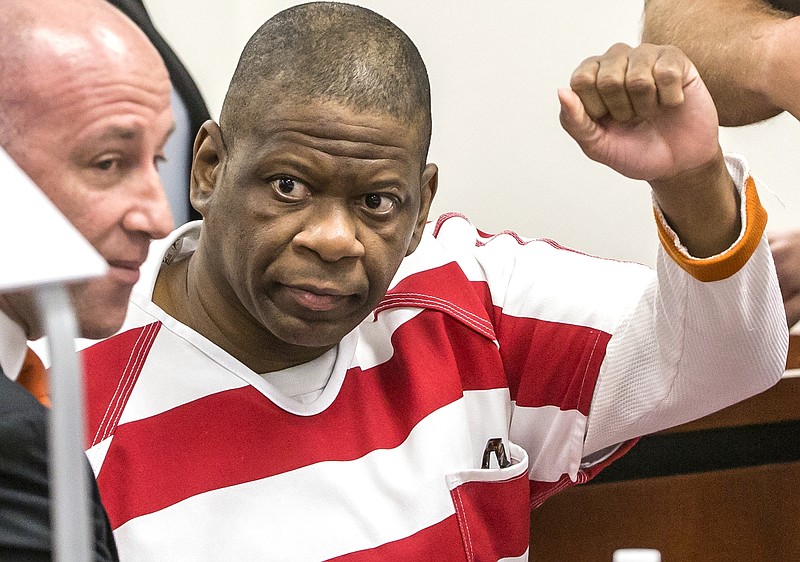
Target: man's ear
207,163
430,182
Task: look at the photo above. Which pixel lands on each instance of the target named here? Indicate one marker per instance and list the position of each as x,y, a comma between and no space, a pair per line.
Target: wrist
702,207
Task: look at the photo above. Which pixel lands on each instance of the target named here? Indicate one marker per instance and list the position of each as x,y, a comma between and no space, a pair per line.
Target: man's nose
332,233
150,212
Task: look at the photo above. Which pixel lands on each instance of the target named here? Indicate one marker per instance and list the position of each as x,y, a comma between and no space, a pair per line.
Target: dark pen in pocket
495,445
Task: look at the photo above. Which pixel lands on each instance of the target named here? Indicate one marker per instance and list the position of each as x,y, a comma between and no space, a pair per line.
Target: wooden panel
748,515
793,360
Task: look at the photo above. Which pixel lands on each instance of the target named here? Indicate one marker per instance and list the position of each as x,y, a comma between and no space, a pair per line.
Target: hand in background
785,245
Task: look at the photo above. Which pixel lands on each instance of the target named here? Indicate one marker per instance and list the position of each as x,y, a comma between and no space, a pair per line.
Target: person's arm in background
785,246
748,54
747,51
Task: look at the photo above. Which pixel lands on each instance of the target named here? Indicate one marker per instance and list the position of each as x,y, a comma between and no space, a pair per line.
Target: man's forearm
727,40
702,208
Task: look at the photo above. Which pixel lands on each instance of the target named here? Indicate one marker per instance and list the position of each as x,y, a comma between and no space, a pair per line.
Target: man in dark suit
189,109
24,505
85,112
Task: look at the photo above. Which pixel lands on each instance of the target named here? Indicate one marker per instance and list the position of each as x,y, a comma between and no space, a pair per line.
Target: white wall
495,67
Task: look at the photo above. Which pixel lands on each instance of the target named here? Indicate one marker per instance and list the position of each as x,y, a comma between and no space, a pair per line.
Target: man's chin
100,308
95,327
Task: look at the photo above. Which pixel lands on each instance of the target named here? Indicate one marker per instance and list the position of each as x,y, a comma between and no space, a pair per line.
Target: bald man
85,111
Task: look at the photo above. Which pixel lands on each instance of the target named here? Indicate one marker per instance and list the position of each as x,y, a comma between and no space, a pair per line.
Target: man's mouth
126,272
317,299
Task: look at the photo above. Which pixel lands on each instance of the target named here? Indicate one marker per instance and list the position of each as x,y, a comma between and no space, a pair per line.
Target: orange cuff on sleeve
722,266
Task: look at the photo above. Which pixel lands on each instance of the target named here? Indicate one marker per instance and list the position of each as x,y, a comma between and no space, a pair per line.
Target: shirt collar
178,244
13,346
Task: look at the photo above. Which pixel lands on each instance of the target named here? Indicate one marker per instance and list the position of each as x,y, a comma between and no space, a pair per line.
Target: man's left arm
711,330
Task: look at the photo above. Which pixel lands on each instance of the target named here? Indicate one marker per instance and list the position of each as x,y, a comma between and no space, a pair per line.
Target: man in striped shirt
316,371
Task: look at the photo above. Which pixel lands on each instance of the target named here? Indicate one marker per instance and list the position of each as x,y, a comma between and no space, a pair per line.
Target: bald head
327,51
43,40
85,112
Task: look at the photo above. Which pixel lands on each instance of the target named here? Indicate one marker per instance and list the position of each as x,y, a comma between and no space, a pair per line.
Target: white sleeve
689,347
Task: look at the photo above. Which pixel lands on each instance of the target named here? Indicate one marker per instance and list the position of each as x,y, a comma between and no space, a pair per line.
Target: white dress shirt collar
13,346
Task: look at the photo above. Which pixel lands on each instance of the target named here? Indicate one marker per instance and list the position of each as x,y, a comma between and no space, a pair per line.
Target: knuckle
640,84
608,83
585,71
667,75
673,51
581,80
618,48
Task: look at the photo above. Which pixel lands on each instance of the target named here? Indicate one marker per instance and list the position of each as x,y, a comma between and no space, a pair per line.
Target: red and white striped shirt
564,356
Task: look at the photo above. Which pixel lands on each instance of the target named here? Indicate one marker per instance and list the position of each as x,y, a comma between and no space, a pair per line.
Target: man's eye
378,202
286,185
106,164
290,189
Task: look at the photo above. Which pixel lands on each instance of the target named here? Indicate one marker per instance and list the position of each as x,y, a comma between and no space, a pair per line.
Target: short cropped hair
329,51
